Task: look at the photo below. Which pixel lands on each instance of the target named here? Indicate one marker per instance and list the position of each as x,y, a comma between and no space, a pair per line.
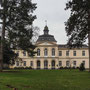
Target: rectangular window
53,51
60,63
17,63
74,53
83,53
31,63
24,63
67,53
67,63
74,63
60,53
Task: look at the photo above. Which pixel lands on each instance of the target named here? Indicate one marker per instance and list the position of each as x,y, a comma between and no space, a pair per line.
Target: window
24,63
67,63
74,63
38,52
60,53
83,53
31,63
45,52
60,63
67,53
24,53
17,63
17,53
45,64
74,53
53,52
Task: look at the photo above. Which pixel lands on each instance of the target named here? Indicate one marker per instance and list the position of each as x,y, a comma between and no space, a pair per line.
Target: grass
45,80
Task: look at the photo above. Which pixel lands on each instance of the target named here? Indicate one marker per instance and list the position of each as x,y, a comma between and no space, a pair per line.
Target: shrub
73,67
61,68
66,67
82,67
28,67
18,67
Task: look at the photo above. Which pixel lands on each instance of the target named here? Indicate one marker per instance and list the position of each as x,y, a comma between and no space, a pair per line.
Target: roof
46,36
66,46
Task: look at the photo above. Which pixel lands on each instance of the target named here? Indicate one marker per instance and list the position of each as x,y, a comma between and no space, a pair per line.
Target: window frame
24,63
53,51
83,53
67,53
38,52
60,53
74,53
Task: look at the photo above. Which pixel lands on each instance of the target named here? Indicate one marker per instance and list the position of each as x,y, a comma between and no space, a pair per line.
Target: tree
35,33
9,55
16,16
82,67
78,25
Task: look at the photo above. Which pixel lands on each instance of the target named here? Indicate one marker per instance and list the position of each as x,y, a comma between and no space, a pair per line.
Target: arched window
38,64
45,64
38,52
53,51
45,52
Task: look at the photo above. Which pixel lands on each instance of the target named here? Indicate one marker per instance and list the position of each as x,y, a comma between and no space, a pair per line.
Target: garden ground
44,80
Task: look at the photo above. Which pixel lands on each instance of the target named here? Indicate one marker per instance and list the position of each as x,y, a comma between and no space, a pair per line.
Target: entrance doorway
53,64
45,64
38,64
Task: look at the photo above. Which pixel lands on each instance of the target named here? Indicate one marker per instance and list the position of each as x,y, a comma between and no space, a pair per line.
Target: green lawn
45,80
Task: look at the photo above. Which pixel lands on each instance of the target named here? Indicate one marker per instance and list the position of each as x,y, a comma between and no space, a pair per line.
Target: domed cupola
46,36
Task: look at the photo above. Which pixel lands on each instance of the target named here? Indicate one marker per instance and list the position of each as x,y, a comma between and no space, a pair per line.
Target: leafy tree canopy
18,15
77,26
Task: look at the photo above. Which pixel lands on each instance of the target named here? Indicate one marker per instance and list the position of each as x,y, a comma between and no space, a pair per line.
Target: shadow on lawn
9,86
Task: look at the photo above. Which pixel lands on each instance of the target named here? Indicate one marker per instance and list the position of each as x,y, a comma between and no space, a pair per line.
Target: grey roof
46,36
65,46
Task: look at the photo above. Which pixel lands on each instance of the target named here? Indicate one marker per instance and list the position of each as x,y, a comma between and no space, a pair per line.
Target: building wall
78,58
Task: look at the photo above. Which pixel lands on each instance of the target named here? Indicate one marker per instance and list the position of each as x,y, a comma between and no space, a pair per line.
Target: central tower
46,31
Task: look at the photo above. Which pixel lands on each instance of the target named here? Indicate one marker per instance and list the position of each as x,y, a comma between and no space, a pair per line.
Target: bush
82,67
61,68
73,67
28,67
77,67
66,67
23,67
18,67
6,68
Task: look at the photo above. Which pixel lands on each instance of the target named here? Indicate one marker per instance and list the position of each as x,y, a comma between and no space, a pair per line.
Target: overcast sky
52,11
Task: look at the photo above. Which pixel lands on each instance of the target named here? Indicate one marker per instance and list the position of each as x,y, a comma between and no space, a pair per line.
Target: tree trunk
89,48
2,37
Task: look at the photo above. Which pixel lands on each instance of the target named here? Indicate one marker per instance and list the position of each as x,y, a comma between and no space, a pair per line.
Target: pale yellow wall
79,58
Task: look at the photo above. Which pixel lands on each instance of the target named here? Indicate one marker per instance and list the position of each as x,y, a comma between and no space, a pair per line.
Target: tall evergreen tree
17,19
78,25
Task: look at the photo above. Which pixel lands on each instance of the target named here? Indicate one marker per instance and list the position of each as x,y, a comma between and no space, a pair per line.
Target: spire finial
46,22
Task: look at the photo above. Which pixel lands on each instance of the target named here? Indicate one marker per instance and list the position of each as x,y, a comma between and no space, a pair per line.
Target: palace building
51,55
